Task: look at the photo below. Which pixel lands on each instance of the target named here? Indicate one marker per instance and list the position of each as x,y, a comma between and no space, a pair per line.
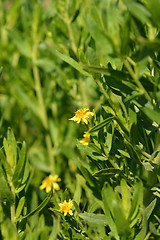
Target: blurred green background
39,92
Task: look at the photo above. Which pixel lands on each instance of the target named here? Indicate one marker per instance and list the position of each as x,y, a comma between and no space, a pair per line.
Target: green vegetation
92,62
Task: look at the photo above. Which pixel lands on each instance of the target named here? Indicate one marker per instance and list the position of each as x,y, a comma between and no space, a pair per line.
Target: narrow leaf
110,220
101,125
40,207
132,152
110,72
149,209
98,219
73,63
108,171
138,10
126,197
5,192
153,115
137,202
20,206
20,165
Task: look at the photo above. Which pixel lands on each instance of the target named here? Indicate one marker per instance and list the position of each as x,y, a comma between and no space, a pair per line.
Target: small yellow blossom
46,183
86,140
66,207
82,115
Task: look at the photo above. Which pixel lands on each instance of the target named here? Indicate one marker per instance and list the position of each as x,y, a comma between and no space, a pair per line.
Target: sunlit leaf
99,219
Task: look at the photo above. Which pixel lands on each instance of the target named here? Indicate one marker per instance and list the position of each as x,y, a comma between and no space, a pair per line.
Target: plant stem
117,117
43,115
70,32
42,110
38,88
83,92
13,215
12,208
138,83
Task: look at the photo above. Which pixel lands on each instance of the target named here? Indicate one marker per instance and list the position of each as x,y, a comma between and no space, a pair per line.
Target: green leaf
101,125
110,72
88,177
120,220
138,10
111,202
141,235
5,192
97,32
46,64
55,229
148,166
73,7
152,114
73,63
91,182
20,206
76,206
153,45
6,165
29,101
21,43
10,147
40,207
154,6
99,219
91,152
18,174
8,230
25,177
133,154
137,202
109,218
149,209
141,65
126,197
108,171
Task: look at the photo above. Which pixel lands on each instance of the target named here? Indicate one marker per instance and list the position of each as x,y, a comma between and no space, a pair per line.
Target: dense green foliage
60,56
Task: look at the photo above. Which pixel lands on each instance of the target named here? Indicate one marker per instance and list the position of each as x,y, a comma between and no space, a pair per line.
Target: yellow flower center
66,207
46,183
80,113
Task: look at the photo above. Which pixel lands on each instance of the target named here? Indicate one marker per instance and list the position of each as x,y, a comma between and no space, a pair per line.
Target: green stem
43,115
49,148
103,90
135,78
42,110
83,92
70,32
13,215
12,208
38,88
118,119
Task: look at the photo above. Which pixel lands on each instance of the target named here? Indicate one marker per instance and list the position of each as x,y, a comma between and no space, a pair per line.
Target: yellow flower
46,183
66,207
86,140
82,115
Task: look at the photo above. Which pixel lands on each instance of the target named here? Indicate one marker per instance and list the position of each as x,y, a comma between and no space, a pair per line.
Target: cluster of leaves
58,56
